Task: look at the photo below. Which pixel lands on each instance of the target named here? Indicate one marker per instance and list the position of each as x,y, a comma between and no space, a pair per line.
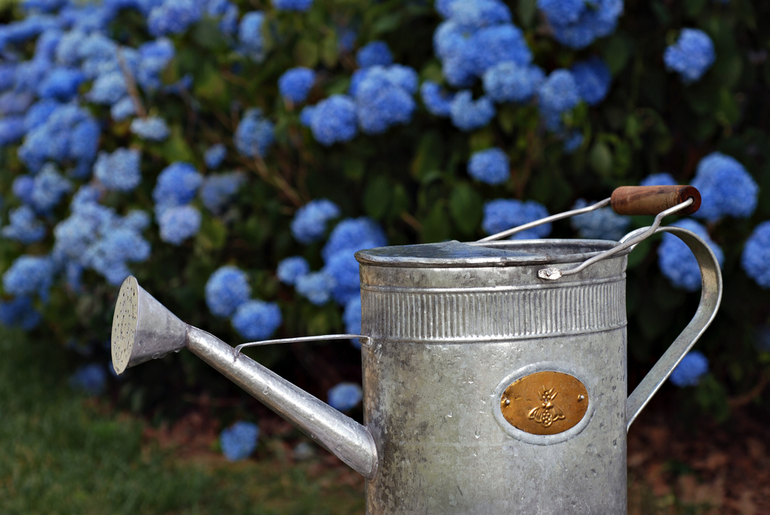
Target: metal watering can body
494,374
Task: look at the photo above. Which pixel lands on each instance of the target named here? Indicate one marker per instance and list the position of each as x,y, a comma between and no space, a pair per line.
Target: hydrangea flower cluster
20,312
151,129
239,440
216,191
345,396
690,370
676,260
578,23
490,166
601,224
29,275
254,135
89,379
658,179
691,56
503,214
214,156
755,258
177,186
726,188
309,224
296,83
119,170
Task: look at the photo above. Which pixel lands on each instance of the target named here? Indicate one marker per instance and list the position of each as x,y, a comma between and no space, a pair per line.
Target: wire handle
300,339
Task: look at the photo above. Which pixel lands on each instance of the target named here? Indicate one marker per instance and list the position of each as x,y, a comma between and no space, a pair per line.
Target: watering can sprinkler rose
494,372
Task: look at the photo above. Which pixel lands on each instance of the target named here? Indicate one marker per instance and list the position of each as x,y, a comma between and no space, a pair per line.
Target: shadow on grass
60,455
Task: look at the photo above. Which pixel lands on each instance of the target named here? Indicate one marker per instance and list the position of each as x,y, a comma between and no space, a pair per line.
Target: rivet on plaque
544,403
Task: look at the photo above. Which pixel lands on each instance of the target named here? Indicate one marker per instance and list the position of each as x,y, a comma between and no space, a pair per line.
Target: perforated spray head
142,328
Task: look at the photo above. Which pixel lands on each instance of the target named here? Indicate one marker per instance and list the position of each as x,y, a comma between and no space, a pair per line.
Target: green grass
61,455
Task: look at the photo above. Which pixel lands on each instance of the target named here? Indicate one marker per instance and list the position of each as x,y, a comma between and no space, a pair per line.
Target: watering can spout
143,329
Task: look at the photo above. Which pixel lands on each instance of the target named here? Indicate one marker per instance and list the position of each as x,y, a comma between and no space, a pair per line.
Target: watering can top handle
710,299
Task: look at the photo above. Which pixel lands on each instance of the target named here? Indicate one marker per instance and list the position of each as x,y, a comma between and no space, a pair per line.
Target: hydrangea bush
235,155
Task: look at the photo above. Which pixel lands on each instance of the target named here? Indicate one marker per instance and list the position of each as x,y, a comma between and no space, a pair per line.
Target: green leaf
175,148
377,197
600,158
210,85
727,108
207,34
617,50
354,168
306,53
639,254
386,23
466,205
526,10
434,226
330,50
400,203
694,7
212,235
428,155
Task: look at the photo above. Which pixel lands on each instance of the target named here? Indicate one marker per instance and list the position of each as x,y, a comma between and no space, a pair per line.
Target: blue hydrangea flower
477,14
24,226
343,268
597,20
257,320
226,290
12,129
151,128
334,119
726,188
503,214
689,371
676,260
291,269
306,115
381,102
562,12
755,258
19,312
29,275
558,92
498,44
61,84
490,166
217,190
120,170
214,156
154,56
109,254
511,82
467,114
602,224
593,79
351,317
108,88
315,287
691,55
179,223
49,188
296,83
658,179
22,187
254,134
352,235
13,102
375,53
90,379
123,109
292,5
177,185
252,44
309,223
345,396
173,16
458,52
573,141
228,14
239,440
436,100
39,112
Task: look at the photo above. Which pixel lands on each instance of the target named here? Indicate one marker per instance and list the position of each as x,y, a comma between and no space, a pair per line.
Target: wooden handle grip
651,200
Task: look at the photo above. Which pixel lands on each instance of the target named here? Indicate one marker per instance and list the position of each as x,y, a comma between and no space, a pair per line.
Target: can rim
455,254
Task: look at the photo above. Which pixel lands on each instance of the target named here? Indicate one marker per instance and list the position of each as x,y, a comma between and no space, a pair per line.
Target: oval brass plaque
544,403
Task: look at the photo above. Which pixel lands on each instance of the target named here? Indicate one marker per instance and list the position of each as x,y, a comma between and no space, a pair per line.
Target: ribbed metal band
466,314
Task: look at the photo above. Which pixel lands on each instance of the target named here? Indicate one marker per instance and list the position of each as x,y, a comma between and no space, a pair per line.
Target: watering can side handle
711,297
651,200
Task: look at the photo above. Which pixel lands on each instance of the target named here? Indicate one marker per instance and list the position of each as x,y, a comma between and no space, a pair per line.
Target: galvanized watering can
494,372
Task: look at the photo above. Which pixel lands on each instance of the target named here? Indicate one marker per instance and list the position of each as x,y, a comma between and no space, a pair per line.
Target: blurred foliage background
411,179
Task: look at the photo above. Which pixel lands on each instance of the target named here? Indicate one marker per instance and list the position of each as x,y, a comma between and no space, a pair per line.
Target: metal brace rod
301,339
553,273
549,219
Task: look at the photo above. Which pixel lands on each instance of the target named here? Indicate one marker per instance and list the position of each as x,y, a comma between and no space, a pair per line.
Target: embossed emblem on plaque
544,403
